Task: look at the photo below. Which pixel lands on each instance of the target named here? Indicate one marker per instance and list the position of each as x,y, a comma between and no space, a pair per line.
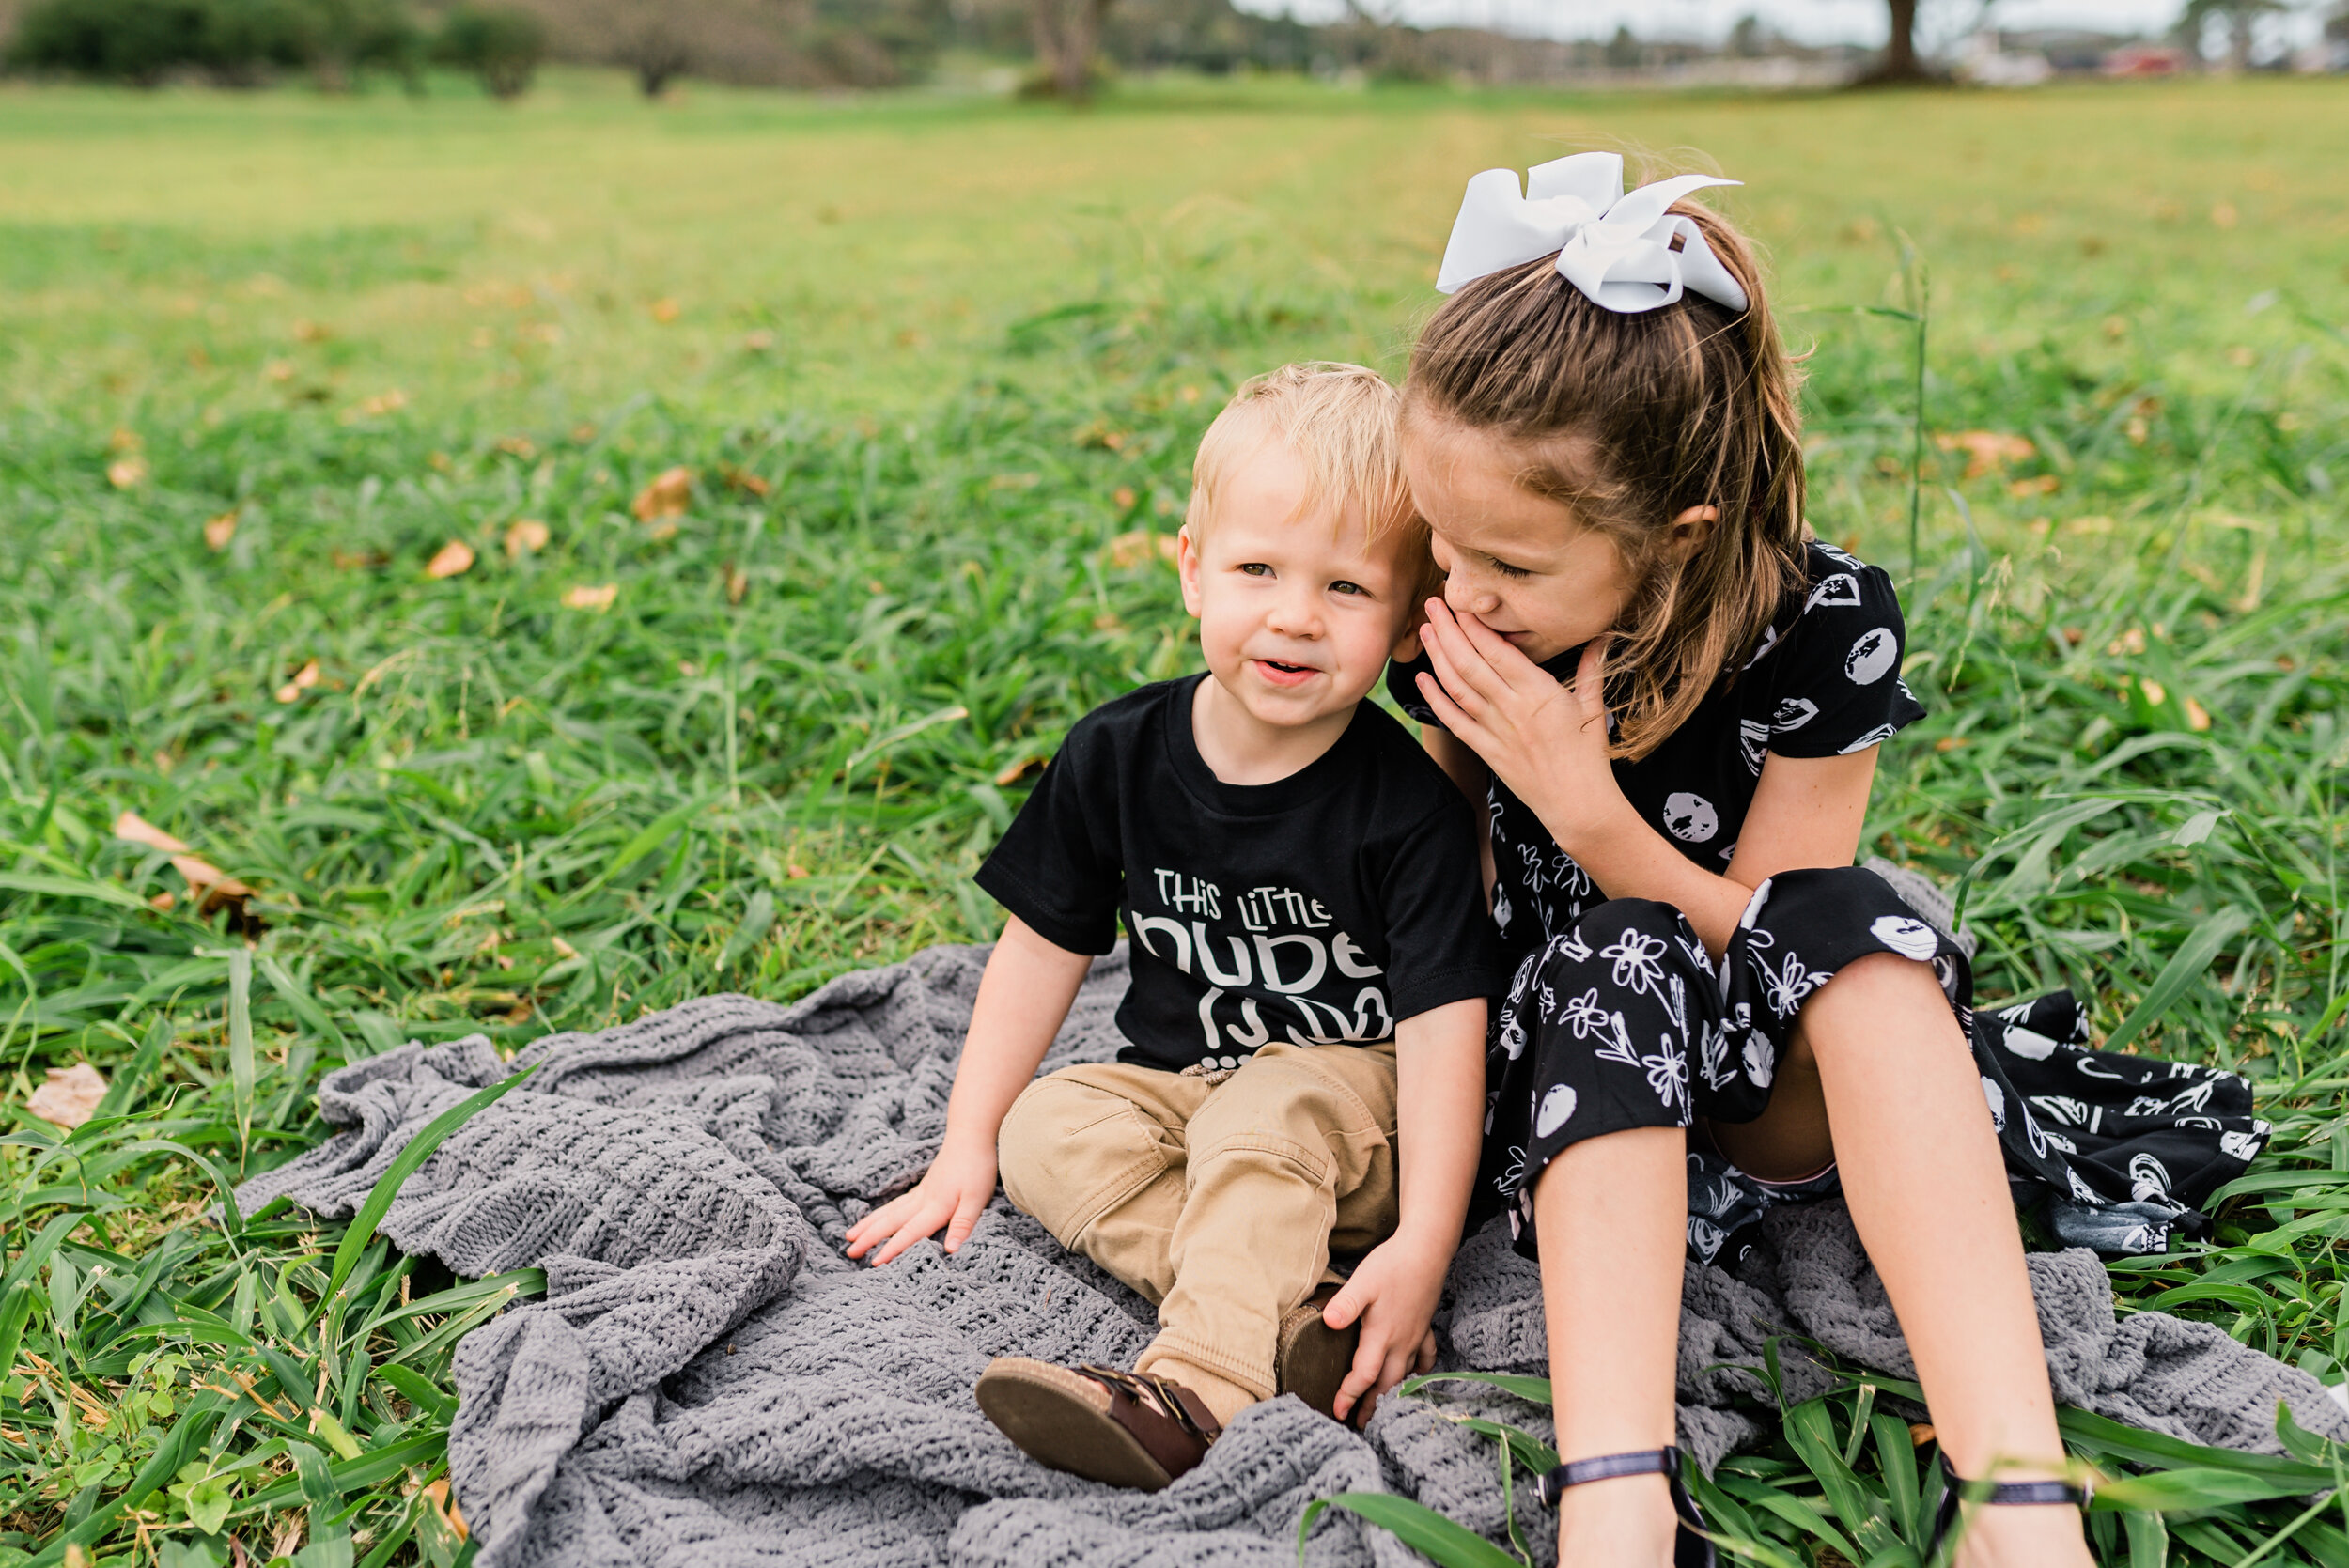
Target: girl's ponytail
1630,420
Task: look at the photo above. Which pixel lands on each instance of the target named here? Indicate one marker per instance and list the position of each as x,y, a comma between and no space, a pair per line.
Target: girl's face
1517,561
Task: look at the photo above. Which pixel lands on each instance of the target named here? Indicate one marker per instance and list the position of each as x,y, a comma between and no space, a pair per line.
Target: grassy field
936,366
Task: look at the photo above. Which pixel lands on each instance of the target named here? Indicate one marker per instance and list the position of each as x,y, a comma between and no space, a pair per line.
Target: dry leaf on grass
454,559
70,1097
1020,770
127,473
1987,450
527,536
590,596
1133,549
303,679
132,829
220,530
2043,484
665,311
124,440
211,886
667,496
749,483
758,340
447,1507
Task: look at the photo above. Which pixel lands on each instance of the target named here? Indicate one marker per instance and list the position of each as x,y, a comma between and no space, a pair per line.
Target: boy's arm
1024,998
1439,1111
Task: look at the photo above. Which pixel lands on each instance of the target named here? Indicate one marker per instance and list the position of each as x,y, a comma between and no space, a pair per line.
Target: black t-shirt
1317,909
1823,681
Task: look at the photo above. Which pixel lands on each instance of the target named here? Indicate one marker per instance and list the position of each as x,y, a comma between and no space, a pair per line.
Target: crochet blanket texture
707,1381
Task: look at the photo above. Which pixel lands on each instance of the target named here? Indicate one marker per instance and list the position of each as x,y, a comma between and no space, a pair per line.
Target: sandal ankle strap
1162,1395
1958,1491
1663,1462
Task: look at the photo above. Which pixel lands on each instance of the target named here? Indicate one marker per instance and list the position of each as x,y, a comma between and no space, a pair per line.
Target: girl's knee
1628,934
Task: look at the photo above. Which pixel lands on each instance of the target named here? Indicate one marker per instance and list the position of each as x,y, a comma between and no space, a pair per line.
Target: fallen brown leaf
303,679
519,446
1987,450
208,885
527,536
585,597
132,829
667,496
664,311
758,340
220,530
447,1507
127,473
737,583
124,440
749,483
2197,716
1132,549
71,1096
164,902
310,331
1020,770
2041,484
454,559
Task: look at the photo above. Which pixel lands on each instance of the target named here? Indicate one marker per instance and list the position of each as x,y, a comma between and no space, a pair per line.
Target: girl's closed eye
1505,569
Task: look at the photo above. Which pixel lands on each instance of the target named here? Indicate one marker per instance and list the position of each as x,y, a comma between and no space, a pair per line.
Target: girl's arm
1024,998
1547,743
1440,1116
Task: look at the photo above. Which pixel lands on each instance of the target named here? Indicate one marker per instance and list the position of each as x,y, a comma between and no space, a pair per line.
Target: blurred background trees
1064,49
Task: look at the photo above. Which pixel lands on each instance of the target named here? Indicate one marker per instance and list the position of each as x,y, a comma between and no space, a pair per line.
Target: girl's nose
1468,597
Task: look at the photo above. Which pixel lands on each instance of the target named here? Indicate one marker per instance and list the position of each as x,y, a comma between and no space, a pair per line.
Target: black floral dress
1617,1018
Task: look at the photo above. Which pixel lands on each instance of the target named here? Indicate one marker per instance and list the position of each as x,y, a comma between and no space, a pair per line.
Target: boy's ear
1186,567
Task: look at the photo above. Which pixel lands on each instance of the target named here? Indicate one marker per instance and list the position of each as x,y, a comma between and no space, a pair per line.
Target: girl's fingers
1450,715
966,1216
1588,683
1507,664
1458,665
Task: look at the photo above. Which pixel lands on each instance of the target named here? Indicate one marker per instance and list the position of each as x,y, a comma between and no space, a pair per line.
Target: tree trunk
1900,48
1067,35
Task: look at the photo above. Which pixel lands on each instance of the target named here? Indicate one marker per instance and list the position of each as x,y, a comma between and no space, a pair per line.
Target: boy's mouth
1278,674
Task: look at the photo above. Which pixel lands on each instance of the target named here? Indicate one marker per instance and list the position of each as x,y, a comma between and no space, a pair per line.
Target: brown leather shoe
1122,1428
1312,1358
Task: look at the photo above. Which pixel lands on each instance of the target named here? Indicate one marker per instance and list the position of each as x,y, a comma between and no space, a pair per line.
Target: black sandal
1694,1548
1998,1494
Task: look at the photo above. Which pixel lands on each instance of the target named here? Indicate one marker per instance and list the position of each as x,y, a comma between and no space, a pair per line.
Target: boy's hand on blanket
956,1187
1393,1293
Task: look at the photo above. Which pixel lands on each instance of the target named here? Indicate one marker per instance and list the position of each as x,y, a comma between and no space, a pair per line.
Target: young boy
1303,1071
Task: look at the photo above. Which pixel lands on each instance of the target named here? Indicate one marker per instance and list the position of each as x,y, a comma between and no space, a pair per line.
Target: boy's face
1297,617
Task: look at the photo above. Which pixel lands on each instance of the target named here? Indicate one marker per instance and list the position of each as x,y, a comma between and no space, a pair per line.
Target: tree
1899,62
2238,16
1067,35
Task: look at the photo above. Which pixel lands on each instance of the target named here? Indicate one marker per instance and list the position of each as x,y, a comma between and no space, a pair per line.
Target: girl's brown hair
1630,420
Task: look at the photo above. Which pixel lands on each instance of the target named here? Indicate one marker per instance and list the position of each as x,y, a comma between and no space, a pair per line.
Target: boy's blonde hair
1341,420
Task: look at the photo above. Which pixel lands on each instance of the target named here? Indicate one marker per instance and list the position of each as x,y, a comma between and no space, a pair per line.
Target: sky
1861,22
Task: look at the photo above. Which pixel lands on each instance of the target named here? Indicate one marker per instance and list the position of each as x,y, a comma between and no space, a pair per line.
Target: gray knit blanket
709,1382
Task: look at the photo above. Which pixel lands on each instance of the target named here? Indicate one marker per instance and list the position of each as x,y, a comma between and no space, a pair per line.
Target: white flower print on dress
1784,987
1620,1048
2244,1146
2080,1189
1690,819
1712,1056
1635,954
1584,1016
1668,1074
1871,656
1705,1239
1753,740
1911,939
1513,1175
1557,1105
1761,1061
2149,1179
1997,1100
1511,1034
2030,1045
2064,1109
1876,736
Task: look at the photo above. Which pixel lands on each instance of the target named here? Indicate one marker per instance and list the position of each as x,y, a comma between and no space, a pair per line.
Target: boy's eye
1256,568
1342,586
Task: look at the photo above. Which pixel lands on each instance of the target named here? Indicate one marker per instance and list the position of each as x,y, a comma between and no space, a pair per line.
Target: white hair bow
1617,249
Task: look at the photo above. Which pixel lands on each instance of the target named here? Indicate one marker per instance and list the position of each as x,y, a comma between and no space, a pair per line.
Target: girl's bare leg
1612,1216
1927,1188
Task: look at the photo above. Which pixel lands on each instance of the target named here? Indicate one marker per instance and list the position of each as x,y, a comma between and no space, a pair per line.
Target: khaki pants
1220,1204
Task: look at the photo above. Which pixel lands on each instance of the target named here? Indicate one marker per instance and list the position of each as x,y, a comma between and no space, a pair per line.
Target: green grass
992,334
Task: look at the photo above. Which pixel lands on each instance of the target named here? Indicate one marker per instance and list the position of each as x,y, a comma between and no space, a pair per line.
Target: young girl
1672,697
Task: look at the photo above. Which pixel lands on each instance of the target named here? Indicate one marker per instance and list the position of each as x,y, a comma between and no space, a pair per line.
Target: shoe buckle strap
1151,1392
